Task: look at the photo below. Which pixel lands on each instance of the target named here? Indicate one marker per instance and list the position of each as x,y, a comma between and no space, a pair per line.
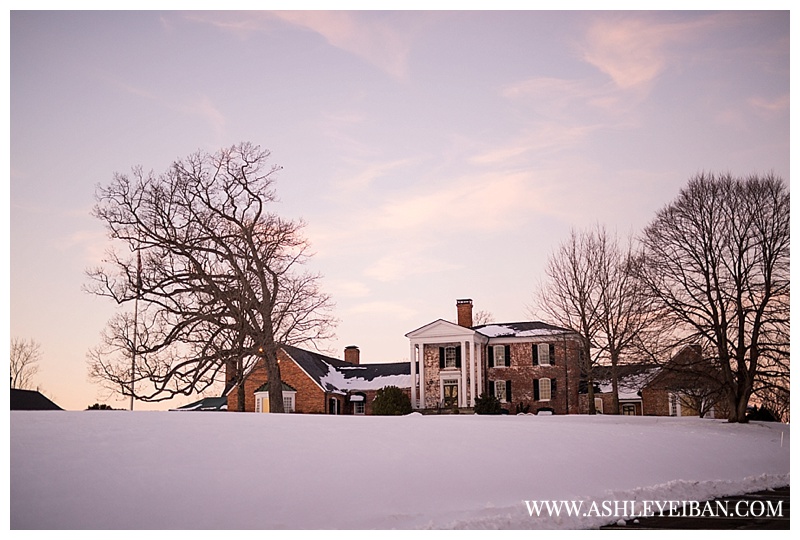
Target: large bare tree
593,288
213,274
717,261
25,356
570,296
626,314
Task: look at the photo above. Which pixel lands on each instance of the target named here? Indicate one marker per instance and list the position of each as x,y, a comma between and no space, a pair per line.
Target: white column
471,373
421,375
462,393
412,357
479,368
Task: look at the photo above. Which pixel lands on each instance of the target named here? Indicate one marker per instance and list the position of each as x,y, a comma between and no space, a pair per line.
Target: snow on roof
521,329
630,383
367,376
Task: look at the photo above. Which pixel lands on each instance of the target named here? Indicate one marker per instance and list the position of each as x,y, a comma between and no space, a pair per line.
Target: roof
521,329
31,400
285,387
206,404
631,378
335,375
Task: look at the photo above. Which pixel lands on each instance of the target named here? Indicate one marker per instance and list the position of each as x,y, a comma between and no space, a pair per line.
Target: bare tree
25,356
482,317
717,262
571,298
625,313
217,274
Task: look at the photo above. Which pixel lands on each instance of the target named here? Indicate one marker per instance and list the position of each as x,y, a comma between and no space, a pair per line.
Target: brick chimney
352,355
464,308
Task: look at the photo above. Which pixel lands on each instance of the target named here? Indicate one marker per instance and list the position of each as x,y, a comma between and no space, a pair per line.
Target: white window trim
260,396
501,356
674,401
497,392
451,378
598,405
544,358
548,387
450,361
363,407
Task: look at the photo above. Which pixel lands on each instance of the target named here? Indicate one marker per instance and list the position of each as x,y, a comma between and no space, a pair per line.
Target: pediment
440,329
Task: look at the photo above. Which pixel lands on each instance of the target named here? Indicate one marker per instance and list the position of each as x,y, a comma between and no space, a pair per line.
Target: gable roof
524,329
334,375
440,327
31,400
631,378
206,404
285,387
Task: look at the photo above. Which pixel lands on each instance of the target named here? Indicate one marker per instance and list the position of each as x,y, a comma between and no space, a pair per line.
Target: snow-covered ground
195,470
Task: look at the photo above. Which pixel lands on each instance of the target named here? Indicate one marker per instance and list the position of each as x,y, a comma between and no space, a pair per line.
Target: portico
445,365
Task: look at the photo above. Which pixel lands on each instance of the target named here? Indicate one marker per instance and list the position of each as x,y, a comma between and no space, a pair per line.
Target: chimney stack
352,355
464,308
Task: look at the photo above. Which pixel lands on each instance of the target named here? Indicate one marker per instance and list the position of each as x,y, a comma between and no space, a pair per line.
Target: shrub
391,401
523,408
487,405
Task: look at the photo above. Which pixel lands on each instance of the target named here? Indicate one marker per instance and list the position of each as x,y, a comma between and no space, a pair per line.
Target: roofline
303,369
465,328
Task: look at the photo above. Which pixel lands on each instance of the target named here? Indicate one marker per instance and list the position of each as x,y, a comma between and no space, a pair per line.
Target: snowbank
164,470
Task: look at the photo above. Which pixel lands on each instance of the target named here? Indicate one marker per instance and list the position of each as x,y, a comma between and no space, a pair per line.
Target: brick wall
430,355
309,398
522,374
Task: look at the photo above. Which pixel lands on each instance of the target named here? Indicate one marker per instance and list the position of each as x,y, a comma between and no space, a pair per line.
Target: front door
450,394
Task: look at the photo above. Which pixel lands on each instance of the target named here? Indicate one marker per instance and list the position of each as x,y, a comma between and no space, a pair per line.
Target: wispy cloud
634,50
371,38
408,262
380,39
203,107
395,309
365,174
545,137
778,104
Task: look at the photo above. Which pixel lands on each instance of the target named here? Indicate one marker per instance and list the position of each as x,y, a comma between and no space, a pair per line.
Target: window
499,355
500,390
358,407
544,354
449,357
450,389
545,393
629,409
544,389
674,405
262,401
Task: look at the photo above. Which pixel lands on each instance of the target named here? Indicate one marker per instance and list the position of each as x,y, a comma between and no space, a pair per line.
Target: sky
90,470
433,155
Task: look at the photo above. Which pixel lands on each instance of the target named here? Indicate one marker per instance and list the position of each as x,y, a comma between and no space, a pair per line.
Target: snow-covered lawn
195,470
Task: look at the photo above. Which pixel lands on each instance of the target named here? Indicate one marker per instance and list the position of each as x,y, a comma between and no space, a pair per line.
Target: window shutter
552,388
552,354
441,357
535,389
508,356
535,354
508,391
491,388
491,357
458,356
